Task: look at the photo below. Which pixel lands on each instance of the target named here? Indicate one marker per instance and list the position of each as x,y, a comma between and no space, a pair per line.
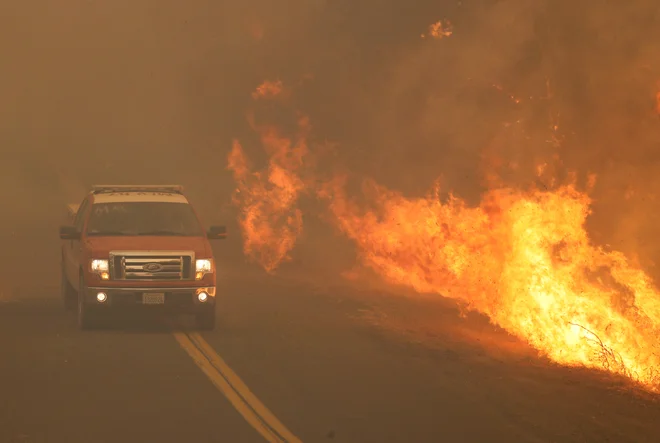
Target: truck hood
102,246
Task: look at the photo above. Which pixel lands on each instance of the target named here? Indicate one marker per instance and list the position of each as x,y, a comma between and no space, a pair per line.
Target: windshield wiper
162,232
109,233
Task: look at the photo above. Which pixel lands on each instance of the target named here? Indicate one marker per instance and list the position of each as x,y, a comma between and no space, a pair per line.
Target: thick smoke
518,84
143,92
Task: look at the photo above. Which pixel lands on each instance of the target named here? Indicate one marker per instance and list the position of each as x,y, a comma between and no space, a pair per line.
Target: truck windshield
142,218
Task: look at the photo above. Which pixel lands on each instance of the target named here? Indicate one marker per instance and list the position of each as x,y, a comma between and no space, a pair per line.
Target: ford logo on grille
152,267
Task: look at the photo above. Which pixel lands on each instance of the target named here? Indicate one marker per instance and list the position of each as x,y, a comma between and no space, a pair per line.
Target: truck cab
138,247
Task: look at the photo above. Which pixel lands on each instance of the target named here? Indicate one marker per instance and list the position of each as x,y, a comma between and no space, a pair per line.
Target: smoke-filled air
501,154
330,220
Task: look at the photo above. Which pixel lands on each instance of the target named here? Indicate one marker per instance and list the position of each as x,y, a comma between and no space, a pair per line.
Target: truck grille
151,266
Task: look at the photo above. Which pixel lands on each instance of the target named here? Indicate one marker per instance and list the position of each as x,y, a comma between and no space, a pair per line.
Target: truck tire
69,295
205,319
86,315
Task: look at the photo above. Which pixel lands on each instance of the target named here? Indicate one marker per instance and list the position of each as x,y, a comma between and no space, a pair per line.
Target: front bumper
174,299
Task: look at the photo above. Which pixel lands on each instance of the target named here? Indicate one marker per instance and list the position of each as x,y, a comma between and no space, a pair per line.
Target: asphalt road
330,361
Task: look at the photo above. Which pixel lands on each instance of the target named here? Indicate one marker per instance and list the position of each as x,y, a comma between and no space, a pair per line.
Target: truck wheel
69,294
86,318
205,319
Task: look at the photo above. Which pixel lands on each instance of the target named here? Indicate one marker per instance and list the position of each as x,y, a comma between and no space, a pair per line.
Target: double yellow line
238,394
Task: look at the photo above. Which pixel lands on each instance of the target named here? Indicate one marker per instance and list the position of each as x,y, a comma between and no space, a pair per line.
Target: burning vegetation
522,255
269,217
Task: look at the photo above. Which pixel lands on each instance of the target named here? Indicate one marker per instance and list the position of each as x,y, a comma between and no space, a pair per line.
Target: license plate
153,298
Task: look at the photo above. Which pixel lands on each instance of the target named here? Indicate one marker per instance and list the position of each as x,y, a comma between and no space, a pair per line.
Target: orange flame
439,29
269,90
269,219
522,258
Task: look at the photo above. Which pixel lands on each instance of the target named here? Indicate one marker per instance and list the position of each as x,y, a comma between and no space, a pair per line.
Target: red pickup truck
138,247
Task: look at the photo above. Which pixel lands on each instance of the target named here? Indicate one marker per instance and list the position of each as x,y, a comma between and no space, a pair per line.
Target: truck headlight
101,268
203,267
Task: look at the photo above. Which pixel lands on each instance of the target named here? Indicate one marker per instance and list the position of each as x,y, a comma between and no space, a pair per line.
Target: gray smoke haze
145,91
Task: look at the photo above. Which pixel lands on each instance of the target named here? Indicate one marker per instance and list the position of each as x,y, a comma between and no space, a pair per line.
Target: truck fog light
101,297
202,296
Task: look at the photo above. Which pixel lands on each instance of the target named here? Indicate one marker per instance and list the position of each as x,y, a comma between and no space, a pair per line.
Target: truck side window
80,216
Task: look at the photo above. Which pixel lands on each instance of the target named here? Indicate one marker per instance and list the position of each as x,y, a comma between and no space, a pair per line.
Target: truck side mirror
69,233
217,233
